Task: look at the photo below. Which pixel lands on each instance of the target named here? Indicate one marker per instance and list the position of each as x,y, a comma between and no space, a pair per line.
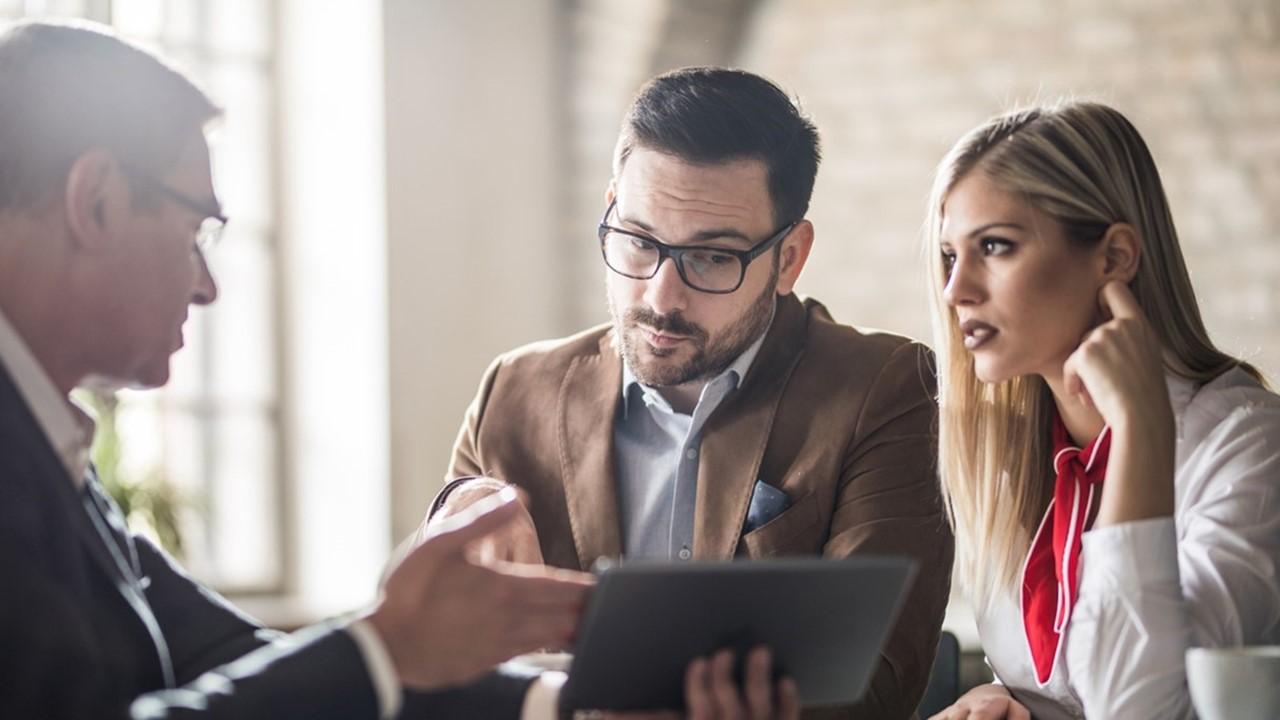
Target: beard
656,367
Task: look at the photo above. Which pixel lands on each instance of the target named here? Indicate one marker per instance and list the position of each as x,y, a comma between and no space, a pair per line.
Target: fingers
1018,711
697,691
723,689
483,518
1072,381
1116,299
711,693
534,633
522,538
758,684
558,576
788,699
525,550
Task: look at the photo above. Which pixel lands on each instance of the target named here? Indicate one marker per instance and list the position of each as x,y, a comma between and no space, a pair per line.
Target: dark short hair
710,115
67,88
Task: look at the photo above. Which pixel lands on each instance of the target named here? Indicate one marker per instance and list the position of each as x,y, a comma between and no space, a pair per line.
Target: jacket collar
64,425
733,442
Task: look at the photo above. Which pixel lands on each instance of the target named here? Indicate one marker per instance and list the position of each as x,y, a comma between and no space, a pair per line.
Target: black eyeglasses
707,269
213,222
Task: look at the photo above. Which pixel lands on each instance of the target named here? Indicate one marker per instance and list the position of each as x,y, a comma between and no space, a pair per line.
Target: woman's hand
1118,369
985,702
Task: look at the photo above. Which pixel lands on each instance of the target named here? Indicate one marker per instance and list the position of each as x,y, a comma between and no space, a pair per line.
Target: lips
661,339
976,334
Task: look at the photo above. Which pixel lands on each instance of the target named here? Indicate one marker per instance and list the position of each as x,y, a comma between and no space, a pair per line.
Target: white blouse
1208,577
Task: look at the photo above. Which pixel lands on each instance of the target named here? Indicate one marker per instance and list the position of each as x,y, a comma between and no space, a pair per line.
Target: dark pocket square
767,503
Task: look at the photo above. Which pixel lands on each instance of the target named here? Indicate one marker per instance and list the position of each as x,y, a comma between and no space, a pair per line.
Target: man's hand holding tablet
711,693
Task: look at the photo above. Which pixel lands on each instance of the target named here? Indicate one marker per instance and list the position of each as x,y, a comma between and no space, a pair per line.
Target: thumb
485,517
1073,382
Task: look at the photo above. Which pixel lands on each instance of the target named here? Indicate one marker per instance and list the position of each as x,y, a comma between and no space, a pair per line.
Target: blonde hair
1084,165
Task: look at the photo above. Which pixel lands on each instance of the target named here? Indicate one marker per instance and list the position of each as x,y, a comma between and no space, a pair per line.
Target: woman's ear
1121,250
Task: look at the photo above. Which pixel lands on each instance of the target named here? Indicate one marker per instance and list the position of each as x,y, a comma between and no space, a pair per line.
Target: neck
1084,423
683,398
33,300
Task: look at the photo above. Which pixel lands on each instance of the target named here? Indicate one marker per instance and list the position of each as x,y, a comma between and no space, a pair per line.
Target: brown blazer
840,420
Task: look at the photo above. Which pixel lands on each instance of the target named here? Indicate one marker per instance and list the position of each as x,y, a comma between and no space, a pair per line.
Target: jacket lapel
587,408
32,440
734,440
75,502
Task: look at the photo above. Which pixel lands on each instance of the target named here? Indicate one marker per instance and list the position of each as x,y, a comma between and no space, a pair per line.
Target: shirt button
684,553
691,453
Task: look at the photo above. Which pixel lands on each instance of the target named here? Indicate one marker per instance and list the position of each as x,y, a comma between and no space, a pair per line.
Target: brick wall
892,83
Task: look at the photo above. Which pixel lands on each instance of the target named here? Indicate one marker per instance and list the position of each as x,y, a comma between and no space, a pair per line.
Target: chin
151,376
990,372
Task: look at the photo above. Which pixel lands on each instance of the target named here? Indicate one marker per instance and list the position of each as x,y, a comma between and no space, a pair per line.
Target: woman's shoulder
1233,401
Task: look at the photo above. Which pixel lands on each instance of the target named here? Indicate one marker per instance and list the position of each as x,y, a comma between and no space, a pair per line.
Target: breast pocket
793,532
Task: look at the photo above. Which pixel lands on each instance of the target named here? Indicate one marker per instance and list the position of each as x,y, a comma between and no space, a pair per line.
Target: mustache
673,323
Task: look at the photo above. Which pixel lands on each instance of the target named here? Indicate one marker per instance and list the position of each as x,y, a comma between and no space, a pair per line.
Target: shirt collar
68,428
736,371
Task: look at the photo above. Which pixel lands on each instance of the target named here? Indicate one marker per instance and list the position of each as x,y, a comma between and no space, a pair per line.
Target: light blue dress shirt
656,455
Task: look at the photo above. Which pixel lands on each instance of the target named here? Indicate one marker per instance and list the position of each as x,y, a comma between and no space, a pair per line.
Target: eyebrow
700,236
990,226
978,231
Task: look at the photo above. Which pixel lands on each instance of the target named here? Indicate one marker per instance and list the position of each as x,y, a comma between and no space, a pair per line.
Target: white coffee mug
1240,683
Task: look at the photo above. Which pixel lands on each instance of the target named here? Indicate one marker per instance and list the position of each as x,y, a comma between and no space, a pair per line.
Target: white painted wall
472,103
335,300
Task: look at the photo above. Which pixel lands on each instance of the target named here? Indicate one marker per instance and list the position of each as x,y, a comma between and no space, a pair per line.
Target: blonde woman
1113,478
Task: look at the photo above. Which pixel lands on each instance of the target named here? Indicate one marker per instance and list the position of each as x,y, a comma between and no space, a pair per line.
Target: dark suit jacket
95,623
840,420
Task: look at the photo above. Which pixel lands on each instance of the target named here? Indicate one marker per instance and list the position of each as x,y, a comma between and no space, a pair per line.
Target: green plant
149,503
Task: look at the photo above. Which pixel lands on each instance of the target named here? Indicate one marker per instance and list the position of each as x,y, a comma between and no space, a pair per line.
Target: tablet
824,619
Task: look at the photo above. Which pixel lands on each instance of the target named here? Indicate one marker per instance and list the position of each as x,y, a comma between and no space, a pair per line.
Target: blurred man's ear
92,181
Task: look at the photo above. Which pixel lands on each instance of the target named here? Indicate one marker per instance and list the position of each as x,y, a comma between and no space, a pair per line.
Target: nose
666,292
205,290
963,286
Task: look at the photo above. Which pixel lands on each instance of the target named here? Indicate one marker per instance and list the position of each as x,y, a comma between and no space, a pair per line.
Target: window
214,432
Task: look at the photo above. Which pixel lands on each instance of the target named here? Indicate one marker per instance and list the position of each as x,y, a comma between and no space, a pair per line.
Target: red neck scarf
1049,578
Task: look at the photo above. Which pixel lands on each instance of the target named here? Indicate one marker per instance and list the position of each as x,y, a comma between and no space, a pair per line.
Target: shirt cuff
542,700
473,480
1130,555
382,671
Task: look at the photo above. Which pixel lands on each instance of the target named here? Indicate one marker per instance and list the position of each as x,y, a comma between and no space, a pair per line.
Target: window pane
240,359
241,144
243,510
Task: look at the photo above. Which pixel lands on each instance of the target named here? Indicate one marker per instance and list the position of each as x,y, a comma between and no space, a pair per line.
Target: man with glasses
717,416
106,206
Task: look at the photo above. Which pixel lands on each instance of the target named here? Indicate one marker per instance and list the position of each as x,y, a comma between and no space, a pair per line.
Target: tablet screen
824,619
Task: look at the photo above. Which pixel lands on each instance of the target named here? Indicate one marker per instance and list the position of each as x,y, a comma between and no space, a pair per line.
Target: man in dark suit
105,201
106,206
717,416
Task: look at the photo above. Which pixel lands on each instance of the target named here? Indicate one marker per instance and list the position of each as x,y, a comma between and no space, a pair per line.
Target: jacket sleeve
1151,589
317,672
466,459
890,503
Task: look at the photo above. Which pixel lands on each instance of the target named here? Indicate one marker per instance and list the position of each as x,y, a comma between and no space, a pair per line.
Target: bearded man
717,416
